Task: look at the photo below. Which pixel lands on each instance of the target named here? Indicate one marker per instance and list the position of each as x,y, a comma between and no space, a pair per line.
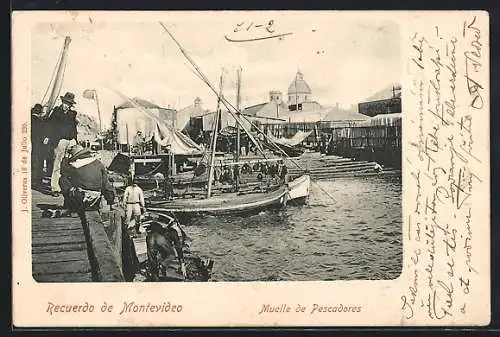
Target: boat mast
223,100
57,79
214,141
238,130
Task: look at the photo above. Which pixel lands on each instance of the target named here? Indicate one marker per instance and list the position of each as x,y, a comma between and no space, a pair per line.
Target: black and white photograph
250,168
266,148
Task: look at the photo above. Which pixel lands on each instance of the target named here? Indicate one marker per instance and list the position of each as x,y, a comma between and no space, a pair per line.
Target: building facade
387,101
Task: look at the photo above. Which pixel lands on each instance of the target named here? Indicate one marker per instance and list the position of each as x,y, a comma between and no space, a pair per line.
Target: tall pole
238,130
215,131
98,110
99,115
128,143
223,100
114,127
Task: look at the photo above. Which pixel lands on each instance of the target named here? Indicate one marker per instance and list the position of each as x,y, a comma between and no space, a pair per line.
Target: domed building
300,95
299,99
299,91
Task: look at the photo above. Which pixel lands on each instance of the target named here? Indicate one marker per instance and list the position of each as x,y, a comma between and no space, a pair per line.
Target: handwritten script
446,170
246,31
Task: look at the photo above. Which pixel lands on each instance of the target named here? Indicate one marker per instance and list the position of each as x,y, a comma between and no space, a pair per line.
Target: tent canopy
179,143
393,119
154,122
137,114
297,138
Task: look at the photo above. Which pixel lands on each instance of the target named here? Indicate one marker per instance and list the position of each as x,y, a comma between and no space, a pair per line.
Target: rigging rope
228,104
291,159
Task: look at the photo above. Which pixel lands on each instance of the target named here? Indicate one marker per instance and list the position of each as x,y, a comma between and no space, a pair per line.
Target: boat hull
226,204
299,189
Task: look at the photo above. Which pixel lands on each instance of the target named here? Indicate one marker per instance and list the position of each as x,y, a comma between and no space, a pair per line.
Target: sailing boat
51,95
40,128
237,201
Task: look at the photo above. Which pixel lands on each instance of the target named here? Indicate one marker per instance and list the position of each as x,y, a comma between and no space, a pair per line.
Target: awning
179,143
393,119
297,138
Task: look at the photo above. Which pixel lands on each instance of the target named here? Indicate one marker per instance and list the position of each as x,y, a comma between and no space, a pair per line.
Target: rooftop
390,91
138,101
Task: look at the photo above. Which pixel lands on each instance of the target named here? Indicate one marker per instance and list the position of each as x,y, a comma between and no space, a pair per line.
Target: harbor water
356,234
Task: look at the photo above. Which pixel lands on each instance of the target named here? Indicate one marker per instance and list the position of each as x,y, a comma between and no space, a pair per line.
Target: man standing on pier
64,134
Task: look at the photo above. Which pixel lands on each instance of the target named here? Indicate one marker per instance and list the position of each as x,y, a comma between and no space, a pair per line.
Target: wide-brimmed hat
77,150
69,98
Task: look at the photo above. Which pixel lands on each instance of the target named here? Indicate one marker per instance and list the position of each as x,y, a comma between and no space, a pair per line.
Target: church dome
299,86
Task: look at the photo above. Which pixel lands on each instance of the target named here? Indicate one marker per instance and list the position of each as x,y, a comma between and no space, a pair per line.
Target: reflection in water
357,236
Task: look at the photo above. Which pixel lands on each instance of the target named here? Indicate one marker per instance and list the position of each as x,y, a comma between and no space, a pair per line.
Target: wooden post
128,143
238,130
100,122
216,126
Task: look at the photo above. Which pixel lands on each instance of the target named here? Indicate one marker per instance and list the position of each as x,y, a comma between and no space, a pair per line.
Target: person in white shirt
133,200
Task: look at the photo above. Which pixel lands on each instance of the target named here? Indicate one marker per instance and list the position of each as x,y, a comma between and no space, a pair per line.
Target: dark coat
37,129
91,175
63,125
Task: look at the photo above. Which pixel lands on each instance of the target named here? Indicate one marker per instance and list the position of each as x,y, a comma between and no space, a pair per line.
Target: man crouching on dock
84,181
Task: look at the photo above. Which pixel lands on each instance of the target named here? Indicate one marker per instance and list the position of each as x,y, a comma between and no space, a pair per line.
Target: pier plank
49,257
72,277
59,248
55,230
56,240
59,222
61,267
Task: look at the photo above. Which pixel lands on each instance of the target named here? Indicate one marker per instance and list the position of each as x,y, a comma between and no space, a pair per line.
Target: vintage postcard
250,168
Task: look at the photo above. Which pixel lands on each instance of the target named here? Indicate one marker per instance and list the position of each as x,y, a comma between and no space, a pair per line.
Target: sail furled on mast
56,81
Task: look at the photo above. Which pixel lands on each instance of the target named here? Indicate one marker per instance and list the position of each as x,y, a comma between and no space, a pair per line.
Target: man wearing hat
84,180
63,123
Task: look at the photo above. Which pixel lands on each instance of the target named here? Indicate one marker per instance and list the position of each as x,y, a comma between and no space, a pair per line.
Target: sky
344,60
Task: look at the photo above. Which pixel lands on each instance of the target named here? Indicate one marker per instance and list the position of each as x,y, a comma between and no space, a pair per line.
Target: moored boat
271,194
299,189
226,203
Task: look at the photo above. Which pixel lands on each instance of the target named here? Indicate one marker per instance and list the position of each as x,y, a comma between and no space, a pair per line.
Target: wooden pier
65,250
59,248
